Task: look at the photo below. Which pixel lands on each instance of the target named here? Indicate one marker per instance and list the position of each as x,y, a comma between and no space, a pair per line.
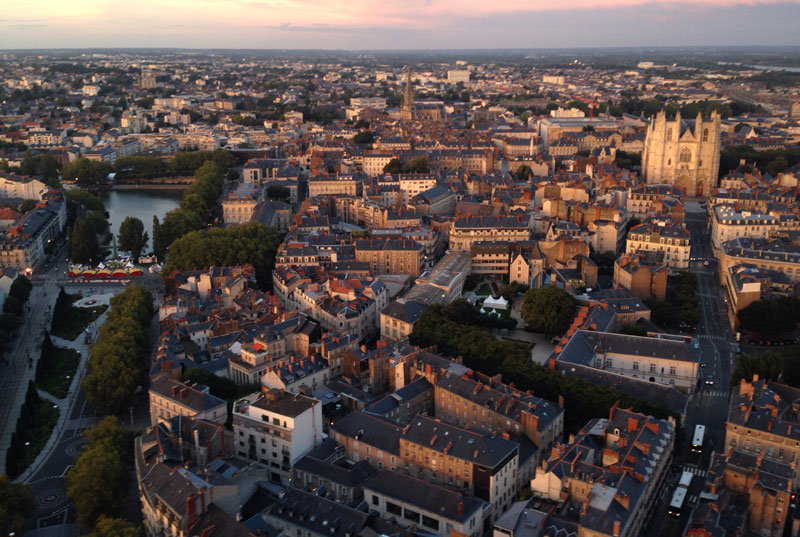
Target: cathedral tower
683,153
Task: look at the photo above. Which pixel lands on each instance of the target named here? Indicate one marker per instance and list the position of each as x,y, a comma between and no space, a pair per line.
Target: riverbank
150,186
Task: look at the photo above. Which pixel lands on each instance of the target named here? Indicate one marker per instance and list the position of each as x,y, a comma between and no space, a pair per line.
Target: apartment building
240,205
668,361
467,230
399,317
774,254
433,508
641,200
762,420
728,223
170,398
332,184
488,405
610,475
490,259
749,493
477,464
412,184
276,428
674,241
285,339
644,274
390,256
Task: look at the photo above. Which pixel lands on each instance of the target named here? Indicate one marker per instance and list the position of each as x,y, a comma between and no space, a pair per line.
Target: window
393,508
408,514
432,523
672,370
652,368
686,155
375,500
705,135
669,134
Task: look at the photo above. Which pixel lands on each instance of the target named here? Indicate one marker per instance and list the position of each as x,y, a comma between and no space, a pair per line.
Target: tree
417,165
86,172
27,205
83,244
278,192
159,248
16,505
364,137
114,527
21,288
632,329
98,474
524,173
548,309
115,360
393,167
770,317
132,237
249,244
767,365
28,164
48,167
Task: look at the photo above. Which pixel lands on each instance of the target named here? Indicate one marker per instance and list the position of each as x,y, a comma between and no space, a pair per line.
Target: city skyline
421,24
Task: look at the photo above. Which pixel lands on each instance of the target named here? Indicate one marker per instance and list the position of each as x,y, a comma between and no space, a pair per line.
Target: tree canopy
132,237
248,244
86,172
767,365
16,505
84,247
548,309
116,361
101,473
770,317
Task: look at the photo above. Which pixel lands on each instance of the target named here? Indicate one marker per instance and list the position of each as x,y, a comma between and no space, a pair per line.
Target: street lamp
27,454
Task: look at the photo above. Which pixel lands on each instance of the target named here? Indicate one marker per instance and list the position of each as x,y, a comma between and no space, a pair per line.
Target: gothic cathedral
683,153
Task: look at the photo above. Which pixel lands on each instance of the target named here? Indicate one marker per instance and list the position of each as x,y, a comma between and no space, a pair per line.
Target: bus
697,440
676,504
679,496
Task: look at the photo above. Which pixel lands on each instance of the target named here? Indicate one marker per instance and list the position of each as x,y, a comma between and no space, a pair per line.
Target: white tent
498,303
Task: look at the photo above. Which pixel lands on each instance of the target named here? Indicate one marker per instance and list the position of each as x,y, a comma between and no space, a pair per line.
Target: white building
276,429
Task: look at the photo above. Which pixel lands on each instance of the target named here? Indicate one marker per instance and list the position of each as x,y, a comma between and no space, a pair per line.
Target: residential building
674,241
170,398
399,317
666,360
390,256
433,508
467,230
610,475
644,274
277,429
326,185
762,419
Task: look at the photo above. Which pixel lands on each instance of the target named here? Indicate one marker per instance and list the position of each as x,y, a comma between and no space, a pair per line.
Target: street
709,406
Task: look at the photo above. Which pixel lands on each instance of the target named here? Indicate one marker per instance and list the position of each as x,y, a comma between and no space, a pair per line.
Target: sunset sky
395,24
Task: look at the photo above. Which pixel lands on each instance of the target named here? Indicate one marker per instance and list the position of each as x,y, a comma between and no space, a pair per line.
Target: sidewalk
64,405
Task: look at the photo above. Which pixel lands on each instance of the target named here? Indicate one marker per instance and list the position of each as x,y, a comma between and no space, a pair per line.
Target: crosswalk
710,336
696,471
716,393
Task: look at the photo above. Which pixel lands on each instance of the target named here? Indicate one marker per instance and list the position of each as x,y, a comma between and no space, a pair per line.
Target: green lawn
62,364
483,290
77,321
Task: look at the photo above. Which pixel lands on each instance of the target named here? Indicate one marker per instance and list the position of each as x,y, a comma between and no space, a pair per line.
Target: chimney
460,508
617,527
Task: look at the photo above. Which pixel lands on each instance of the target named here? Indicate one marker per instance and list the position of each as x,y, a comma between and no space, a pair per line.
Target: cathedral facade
683,153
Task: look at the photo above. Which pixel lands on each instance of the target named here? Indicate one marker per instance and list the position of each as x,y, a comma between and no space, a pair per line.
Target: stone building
683,153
